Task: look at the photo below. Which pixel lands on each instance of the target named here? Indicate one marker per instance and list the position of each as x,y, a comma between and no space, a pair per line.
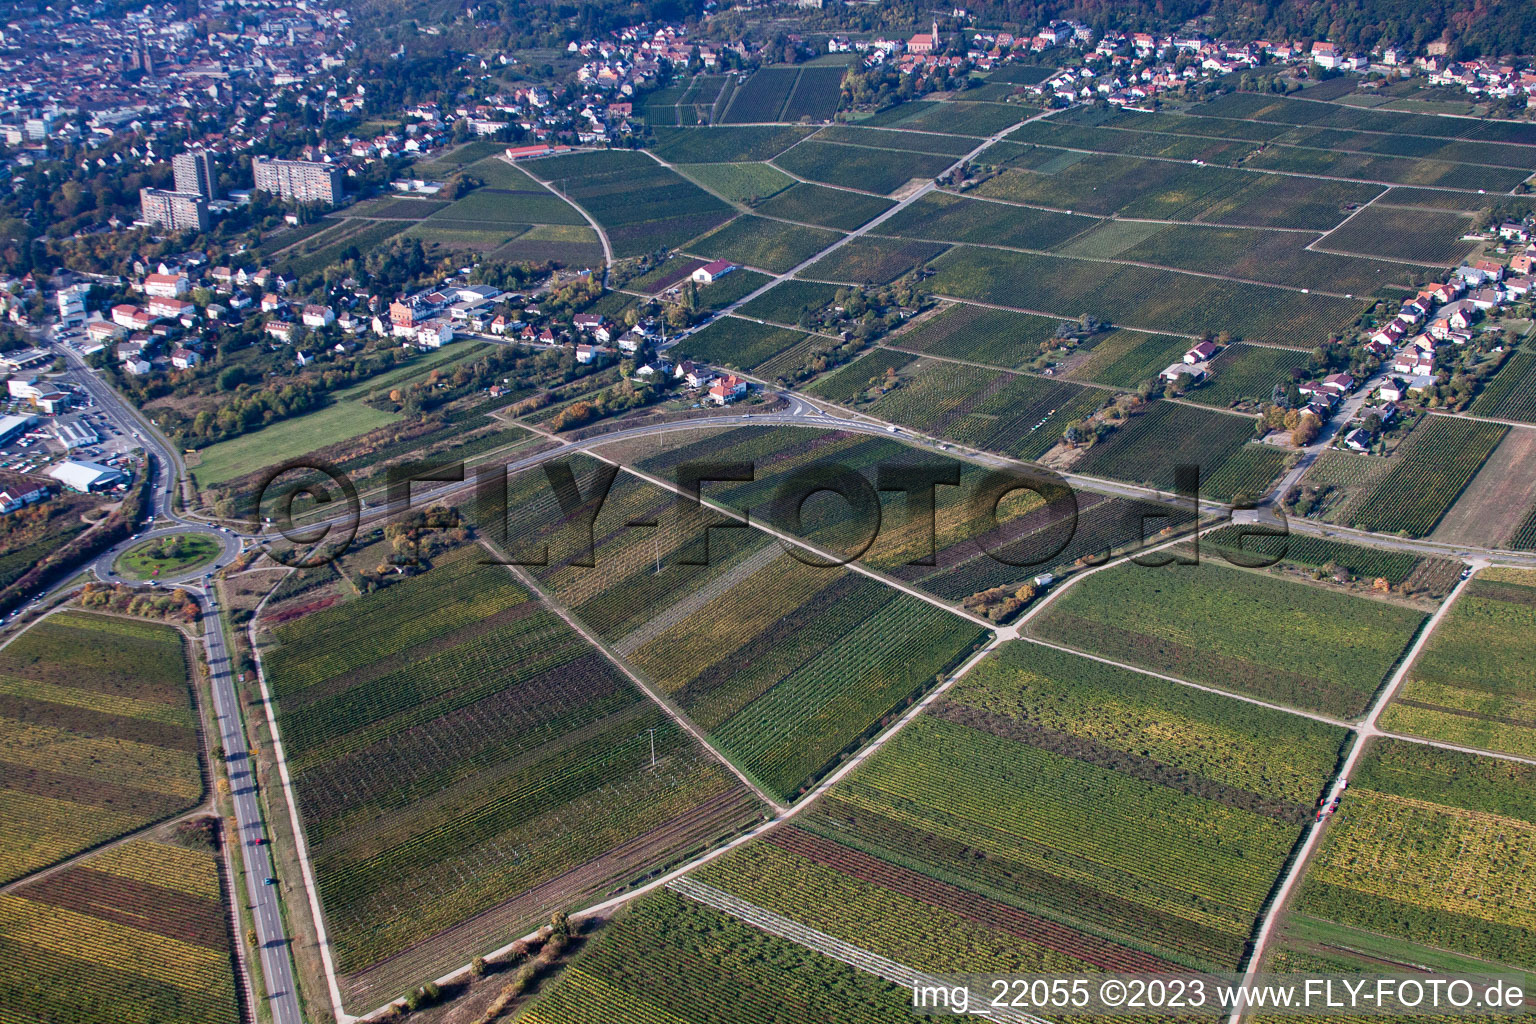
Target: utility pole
652,731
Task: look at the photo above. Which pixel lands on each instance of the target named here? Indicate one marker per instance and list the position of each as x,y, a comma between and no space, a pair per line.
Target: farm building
712,272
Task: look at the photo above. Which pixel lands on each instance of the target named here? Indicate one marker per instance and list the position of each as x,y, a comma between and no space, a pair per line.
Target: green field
482,731
1472,685
168,556
1420,236
1217,625
950,218
1511,394
136,934
740,183
726,144
787,301
287,439
98,733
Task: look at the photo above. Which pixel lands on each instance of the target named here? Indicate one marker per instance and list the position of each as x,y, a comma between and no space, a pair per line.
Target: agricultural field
1246,476
848,384
1472,685
396,208
668,958
855,167
785,665
1396,567
642,205
1298,111
98,736
462,772
488,207
1213,624
787,301
1271,257
726,144
1124,359
825,207
952,117
961,844
1014,414
1247,373
566,244
978,334
1428,237
786,94
735,342
1428,471
944,217
758,242
953,146
286,439
1428,845
792,664
136,934
872,261
1511,394
740,183
1141,298
1165,435
815,96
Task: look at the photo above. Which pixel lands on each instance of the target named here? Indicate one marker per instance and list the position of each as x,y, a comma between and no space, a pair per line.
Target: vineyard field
788,301
847,384
872,261
1149,448
961,842
1315,552
669,960
1511,394
1472,685
979,334
136,934
743,344
642,205
1212,624
1428,846
1014,414
748,183
1419,236
758,242
1246,476
1247,374
855,167
1124,359
762,96
1140,297
727,144
463,771
825,207
952,146
1427,474
98,736
942,217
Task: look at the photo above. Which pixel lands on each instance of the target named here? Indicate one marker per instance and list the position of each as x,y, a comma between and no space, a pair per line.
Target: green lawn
287,439
167,556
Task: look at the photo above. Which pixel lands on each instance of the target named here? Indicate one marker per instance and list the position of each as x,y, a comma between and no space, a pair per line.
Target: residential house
170,309
316,317
1393,389
131,317
18,491
434,333
1202,352
166,286
1358,440
727,390
184,358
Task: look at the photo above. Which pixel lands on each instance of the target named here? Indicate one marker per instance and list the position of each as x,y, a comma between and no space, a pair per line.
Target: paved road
277,966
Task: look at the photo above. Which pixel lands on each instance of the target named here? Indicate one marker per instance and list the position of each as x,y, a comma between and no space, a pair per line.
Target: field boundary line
1364,732
687,725
830,946
1425,741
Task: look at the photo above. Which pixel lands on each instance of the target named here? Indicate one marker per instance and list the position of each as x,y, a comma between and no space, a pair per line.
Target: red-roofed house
712,272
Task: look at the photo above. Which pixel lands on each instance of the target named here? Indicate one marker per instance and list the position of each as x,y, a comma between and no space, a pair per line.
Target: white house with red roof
712,272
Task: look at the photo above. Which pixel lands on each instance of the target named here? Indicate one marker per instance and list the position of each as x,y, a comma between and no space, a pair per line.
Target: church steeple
935,33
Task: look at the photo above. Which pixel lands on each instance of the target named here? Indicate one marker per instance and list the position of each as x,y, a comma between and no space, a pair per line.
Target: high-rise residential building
305,181
175,211
195,173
